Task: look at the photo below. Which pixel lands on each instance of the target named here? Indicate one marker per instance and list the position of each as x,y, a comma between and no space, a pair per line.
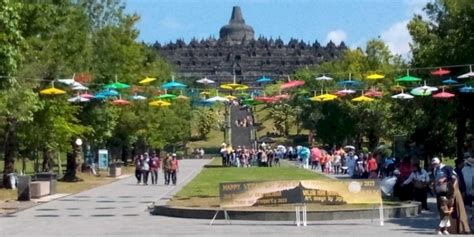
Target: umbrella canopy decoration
467,75
345,92
117,85
403,96
159,103
147,80
205,81
323,97
264,80
349,82
324,78
79,87
466,89
107,93
440,72
87,95
373,93
449,81
217,98
375,76
397,87
363,98
69,81
182,97
52,90
408,78
292,84
78,99
205,93
230,97
234,85
173,85
138,97
121,102
423,90
443,95
166,96
252,102
266,99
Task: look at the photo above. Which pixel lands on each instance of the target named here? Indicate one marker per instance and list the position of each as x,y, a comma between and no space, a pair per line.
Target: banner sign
103,159
330,192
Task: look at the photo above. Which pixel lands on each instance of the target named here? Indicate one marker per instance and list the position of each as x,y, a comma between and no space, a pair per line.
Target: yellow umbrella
375,76
323,97
234,86
182,97
147,80
52,91
205,93
230,97
159,103
362,99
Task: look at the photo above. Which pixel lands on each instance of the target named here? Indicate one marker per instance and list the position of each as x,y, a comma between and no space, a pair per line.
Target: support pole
381,214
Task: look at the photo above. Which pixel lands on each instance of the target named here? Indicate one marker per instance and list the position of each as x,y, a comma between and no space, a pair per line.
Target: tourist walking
145,168
372,167
154,167
166,168
420,179
138,168
468,173
445,212
174,168
446,185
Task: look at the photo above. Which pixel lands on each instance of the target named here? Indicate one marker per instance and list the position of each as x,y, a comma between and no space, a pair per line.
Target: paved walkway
120,209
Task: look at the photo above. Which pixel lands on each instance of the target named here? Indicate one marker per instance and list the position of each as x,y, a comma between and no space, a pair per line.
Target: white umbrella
78,99
467,75
205,81
349,147
68,81
347,91
79,87
217,99
403,96
138,97
323,78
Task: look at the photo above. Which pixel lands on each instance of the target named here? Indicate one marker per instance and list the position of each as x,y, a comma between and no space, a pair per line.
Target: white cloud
337,36
398,38
170,23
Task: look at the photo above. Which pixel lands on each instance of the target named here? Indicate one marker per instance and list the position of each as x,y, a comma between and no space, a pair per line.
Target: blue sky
353,21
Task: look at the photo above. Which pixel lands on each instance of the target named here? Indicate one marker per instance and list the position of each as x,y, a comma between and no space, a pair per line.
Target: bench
39,189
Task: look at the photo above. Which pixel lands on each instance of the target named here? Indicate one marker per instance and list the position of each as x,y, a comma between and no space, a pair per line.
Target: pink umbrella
282,97
87,95
440,72
443,95
292,84
373,93
266,99
120,102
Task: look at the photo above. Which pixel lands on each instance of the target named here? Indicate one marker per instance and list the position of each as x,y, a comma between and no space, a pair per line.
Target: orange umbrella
121,102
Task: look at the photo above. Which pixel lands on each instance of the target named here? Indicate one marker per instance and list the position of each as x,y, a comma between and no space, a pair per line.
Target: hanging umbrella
100,96
173,85
403,96
467,75
408,78
159,103
52,90
375,76
440,72
79,87
466,89
362,98
205,93
138,97
217,99
264,80
230,97
282,96
373,93
252,102
78,99
345,92
323,78
397,88
121,102
166,96
147,80
323,97
291,84
443,95
449,81
68,81
349,82
108,93
87,95
266,99
205,81
234,85
243,94
422,90
116,85
182,97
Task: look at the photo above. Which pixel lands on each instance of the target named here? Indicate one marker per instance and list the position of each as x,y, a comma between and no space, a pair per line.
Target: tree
205,120
283,116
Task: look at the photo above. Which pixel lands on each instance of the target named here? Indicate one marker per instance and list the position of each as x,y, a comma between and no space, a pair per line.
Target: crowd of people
246,121
241,156
146,166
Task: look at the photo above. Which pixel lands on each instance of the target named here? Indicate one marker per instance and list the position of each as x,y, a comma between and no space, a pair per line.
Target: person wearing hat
446,184
468,173
174,168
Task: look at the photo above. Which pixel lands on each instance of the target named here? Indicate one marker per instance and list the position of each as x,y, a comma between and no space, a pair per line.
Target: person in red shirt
315,155
174,168
372,167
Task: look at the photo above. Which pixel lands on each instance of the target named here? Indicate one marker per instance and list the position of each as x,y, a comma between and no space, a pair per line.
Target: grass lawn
203,190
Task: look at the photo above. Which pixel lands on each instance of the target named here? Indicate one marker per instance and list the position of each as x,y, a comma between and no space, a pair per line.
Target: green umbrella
420,92
252,102
166,97
116,85
408,78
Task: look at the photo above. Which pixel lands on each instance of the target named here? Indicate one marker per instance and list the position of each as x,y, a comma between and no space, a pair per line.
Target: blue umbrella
466,89
349,83
108,93
264,79
173,85
100,96
449,81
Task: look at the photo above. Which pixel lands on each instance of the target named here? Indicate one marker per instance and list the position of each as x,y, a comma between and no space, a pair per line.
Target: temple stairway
240,136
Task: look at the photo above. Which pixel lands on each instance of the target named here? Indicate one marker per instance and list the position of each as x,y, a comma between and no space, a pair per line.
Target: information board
103,159
330,192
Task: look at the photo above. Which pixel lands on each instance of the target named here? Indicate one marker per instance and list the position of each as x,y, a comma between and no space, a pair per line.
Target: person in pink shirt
315,156
155,164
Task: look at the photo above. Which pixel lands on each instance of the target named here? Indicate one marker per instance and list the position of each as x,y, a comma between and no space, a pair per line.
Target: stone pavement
120,209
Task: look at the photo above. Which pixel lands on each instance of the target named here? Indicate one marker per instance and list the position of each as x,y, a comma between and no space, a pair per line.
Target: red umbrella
266,99
440,72
282,97
292,84
443,95
120,102
373,93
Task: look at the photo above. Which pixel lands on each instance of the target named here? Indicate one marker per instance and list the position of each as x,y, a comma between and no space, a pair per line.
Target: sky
352,21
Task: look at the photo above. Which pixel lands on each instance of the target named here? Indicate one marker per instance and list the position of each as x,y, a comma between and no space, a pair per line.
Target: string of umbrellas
113,91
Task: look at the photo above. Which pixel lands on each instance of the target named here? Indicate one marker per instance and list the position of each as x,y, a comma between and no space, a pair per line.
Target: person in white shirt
420,180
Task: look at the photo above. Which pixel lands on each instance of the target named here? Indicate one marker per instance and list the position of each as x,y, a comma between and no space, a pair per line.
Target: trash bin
51,178
115,169
24,188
